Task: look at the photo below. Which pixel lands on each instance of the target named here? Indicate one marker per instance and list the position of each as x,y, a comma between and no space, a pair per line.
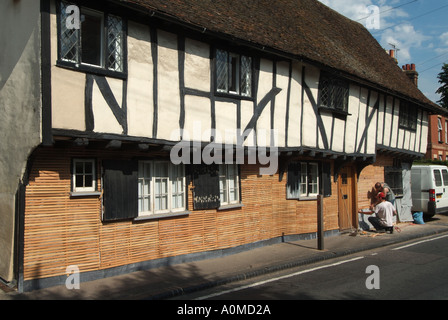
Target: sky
417,28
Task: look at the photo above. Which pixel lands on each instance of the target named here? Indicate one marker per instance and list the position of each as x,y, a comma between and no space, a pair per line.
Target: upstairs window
233,73
333,93
96,40
408,116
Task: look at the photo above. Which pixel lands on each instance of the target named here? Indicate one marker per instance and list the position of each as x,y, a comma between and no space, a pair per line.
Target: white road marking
416,243
256,284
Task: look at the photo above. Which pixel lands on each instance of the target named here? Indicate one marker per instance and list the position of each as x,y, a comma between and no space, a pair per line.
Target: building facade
438,138
157,134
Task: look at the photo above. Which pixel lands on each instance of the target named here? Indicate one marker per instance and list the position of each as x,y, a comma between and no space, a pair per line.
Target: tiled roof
301,28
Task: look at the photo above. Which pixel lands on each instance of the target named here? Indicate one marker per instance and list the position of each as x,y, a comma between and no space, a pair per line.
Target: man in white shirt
385,212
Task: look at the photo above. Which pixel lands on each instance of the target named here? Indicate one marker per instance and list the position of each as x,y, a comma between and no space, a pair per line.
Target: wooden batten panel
58,232
61,230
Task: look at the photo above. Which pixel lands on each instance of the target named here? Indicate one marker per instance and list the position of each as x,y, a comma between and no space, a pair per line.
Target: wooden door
347,198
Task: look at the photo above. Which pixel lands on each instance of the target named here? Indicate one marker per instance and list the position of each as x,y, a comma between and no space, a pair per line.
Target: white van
429,186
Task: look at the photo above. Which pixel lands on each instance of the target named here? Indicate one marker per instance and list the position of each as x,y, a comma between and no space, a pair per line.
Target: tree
443,90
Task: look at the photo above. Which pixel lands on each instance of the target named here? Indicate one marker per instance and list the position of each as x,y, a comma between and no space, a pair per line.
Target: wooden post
320,222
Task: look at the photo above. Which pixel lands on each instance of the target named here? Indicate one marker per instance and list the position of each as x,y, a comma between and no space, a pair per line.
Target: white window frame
153,177
446,131
440,129
224,188
305,184
98,14
83,189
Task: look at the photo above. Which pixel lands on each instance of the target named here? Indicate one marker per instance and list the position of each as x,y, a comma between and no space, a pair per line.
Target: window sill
85,194
91,69
310,198
337,113
162,215
233,96
230,206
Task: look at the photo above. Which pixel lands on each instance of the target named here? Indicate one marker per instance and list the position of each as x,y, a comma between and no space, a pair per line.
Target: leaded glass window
97,40
333,93
233,73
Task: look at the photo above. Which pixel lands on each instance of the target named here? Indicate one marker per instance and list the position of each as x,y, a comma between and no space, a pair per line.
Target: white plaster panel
197,119
226,126
197,65
281,102
264,86
105,120
396,119
338,135
68,91
168,86
309,130
247,112
352,119
380,124
372,130
388,122
295,107
140,102
361,119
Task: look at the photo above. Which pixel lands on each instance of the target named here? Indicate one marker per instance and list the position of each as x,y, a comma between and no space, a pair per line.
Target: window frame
238,74
446,131
78,65
332,83
224,172
305,173
83,190
171,176
408,116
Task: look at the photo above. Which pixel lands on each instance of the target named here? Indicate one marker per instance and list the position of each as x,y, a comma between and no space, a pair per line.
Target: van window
445,177
438,178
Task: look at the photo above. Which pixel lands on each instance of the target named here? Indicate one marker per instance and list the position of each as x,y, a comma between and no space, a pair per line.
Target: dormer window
96,41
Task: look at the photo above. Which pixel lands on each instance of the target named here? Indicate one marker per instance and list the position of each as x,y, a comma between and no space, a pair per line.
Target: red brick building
438,138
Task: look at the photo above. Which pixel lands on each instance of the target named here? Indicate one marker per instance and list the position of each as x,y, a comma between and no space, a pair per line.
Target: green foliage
443,90
430,162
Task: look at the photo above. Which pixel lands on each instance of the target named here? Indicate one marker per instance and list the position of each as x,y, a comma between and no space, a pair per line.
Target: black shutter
326,179
206,187
120,184
293,181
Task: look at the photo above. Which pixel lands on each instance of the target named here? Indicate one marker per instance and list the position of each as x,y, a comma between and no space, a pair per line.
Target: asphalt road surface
415,270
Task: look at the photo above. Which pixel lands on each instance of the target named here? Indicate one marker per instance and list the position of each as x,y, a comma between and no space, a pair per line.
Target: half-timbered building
141,133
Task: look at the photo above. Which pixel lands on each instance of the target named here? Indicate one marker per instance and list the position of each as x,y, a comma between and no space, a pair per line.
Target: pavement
176,280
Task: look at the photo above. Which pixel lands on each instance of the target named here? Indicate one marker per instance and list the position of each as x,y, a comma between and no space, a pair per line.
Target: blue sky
418,28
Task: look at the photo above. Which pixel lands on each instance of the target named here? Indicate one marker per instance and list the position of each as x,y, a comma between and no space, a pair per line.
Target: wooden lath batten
62,230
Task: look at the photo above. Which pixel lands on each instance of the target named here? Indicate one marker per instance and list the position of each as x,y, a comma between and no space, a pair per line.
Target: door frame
353,196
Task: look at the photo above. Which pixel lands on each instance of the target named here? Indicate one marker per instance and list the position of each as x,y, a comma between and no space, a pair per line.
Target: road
414,270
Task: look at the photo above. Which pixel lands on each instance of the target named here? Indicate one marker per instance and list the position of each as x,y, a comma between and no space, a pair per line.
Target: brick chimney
411,72
392,55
